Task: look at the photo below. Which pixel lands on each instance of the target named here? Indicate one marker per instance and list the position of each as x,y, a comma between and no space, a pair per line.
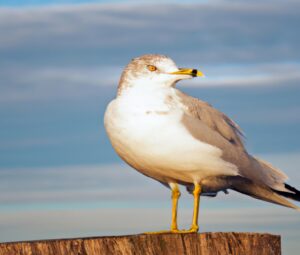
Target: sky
60,65
30,3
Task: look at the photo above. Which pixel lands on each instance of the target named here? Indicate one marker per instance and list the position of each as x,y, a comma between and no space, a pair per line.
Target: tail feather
262,192
275,180
269,175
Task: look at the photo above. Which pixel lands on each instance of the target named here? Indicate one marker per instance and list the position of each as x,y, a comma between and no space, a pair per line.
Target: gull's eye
151,68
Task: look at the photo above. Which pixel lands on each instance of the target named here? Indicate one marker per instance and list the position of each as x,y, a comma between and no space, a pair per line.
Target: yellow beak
188,71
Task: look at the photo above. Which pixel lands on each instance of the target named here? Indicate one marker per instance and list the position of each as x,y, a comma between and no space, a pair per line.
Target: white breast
148,134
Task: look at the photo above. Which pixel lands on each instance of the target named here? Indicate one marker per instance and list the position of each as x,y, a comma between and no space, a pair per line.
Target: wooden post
190,244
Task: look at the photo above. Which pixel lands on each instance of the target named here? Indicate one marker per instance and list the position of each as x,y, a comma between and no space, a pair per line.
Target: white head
154,70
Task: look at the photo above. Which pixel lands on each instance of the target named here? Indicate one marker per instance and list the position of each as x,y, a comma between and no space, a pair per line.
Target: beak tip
200,74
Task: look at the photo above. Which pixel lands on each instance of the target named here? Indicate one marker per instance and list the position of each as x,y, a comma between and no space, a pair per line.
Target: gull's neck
146,97
142,86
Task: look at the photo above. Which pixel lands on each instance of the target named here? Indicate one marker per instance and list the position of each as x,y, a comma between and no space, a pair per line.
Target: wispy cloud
99,184
74,82
56,52
73,184
277,74
213,33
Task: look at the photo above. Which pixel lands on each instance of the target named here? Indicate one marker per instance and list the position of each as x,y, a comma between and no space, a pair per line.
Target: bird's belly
157,144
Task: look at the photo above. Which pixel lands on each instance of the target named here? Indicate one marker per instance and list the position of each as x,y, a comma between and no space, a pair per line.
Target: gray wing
213,119
211,126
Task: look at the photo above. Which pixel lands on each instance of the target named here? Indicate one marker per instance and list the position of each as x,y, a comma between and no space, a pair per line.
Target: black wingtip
295,195
289,187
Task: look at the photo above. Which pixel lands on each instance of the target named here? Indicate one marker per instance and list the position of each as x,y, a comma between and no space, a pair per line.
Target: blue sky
52,2
30,3
59,68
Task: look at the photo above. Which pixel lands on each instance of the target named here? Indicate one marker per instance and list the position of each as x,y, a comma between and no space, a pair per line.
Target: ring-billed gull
177,139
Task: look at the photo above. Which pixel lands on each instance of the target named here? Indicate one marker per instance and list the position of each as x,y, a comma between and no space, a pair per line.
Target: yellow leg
175,197
196,193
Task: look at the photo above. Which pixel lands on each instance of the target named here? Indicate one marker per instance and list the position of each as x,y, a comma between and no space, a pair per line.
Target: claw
185,231
193,229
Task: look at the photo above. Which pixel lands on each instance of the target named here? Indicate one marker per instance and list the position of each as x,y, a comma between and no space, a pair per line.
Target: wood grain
189,244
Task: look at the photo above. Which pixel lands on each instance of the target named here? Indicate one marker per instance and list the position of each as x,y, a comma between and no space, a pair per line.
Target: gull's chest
147,132
139,117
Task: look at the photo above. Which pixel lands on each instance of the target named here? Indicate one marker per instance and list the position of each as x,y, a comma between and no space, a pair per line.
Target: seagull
177,139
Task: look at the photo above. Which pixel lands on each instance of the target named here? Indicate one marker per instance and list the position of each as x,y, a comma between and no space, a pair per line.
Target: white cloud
278,74
105,185
73,184
56,52
213,31
79,82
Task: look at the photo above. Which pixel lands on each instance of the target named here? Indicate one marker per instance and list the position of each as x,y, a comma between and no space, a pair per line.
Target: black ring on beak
194,72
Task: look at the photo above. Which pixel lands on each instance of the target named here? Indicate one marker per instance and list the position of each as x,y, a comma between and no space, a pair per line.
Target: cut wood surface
144,244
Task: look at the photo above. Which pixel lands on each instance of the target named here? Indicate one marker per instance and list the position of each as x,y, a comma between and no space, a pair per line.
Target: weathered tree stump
193,244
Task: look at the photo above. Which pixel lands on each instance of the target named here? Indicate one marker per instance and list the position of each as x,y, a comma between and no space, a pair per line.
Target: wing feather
213,118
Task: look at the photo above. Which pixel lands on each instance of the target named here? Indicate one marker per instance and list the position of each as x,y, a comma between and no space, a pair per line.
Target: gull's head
155,71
